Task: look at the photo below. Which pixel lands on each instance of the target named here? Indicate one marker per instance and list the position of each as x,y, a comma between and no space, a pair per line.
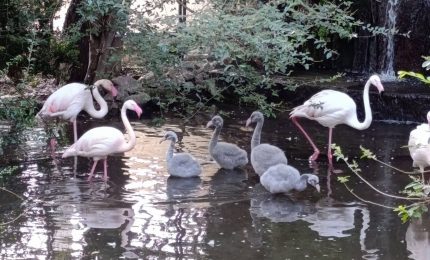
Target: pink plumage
68,101
100,142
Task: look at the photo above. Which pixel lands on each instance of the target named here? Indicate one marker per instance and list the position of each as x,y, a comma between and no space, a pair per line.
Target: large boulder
130,88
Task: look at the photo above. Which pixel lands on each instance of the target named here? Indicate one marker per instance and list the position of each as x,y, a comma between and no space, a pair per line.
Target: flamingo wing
328,107
264,156
230,154
97,142
280,178
66,102
184,165
227,150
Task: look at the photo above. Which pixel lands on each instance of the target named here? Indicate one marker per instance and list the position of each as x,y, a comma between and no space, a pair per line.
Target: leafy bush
21,112
248,47
421,77
26,36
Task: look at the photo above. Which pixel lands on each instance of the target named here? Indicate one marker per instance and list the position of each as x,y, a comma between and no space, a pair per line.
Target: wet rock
188,75
127,87
413,17
140,98
368,54
148,76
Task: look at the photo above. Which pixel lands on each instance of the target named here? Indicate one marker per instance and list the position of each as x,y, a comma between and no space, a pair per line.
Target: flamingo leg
422,173
75,131
314,156
105,168
329,154
75,165
92,170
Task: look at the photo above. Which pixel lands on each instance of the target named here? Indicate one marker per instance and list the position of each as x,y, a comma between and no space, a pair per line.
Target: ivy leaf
366,153
343,179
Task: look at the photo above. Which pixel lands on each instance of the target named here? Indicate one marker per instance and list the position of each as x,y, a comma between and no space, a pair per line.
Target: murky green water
141,213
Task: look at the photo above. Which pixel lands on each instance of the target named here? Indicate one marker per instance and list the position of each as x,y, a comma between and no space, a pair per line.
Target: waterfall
388,72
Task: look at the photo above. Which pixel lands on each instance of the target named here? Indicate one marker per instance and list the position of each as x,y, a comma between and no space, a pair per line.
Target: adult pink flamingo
419,147
100,142
331,108
68,101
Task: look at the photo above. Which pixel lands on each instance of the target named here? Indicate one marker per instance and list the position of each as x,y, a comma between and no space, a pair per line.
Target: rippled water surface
142,213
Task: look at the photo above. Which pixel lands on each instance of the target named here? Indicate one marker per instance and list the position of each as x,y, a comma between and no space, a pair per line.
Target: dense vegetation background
208,50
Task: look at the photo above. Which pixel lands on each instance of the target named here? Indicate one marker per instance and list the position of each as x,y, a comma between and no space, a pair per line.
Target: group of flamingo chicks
327,107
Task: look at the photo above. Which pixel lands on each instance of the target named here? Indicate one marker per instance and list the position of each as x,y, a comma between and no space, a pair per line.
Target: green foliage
366,153
102,14
248,46
421,77
21,112
417,190
26,36
407,213
7,172
343,179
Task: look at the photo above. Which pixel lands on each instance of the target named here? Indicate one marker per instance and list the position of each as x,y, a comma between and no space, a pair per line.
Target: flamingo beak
317,187
162,140
248,122
209,124
380,87
138,111
113,91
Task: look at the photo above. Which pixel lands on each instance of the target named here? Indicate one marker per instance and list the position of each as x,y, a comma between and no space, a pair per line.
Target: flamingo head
216,122
314,181
169,135
132,105
376,81
108,86
255,117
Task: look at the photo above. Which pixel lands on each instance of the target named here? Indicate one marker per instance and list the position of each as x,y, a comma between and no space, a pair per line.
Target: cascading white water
388,72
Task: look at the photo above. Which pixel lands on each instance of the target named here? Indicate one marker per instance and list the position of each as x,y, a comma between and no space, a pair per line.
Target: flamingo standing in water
419,147
68,101
100,142
331,108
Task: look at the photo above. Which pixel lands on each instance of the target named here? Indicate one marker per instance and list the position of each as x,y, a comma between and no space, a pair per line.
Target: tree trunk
77,73
101,48
94,49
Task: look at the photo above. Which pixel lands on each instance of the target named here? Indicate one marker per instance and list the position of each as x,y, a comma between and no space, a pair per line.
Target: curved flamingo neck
256,136
91,110
169,154
132,136
215,137
367,112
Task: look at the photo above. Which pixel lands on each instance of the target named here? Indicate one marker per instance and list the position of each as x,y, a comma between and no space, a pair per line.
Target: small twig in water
366,153
354,168
16,195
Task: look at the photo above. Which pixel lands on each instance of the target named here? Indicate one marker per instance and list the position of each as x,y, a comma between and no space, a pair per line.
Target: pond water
141,213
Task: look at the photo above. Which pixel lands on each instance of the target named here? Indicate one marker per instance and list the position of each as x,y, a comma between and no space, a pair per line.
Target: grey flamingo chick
227,155
263,155
182,165
282,178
